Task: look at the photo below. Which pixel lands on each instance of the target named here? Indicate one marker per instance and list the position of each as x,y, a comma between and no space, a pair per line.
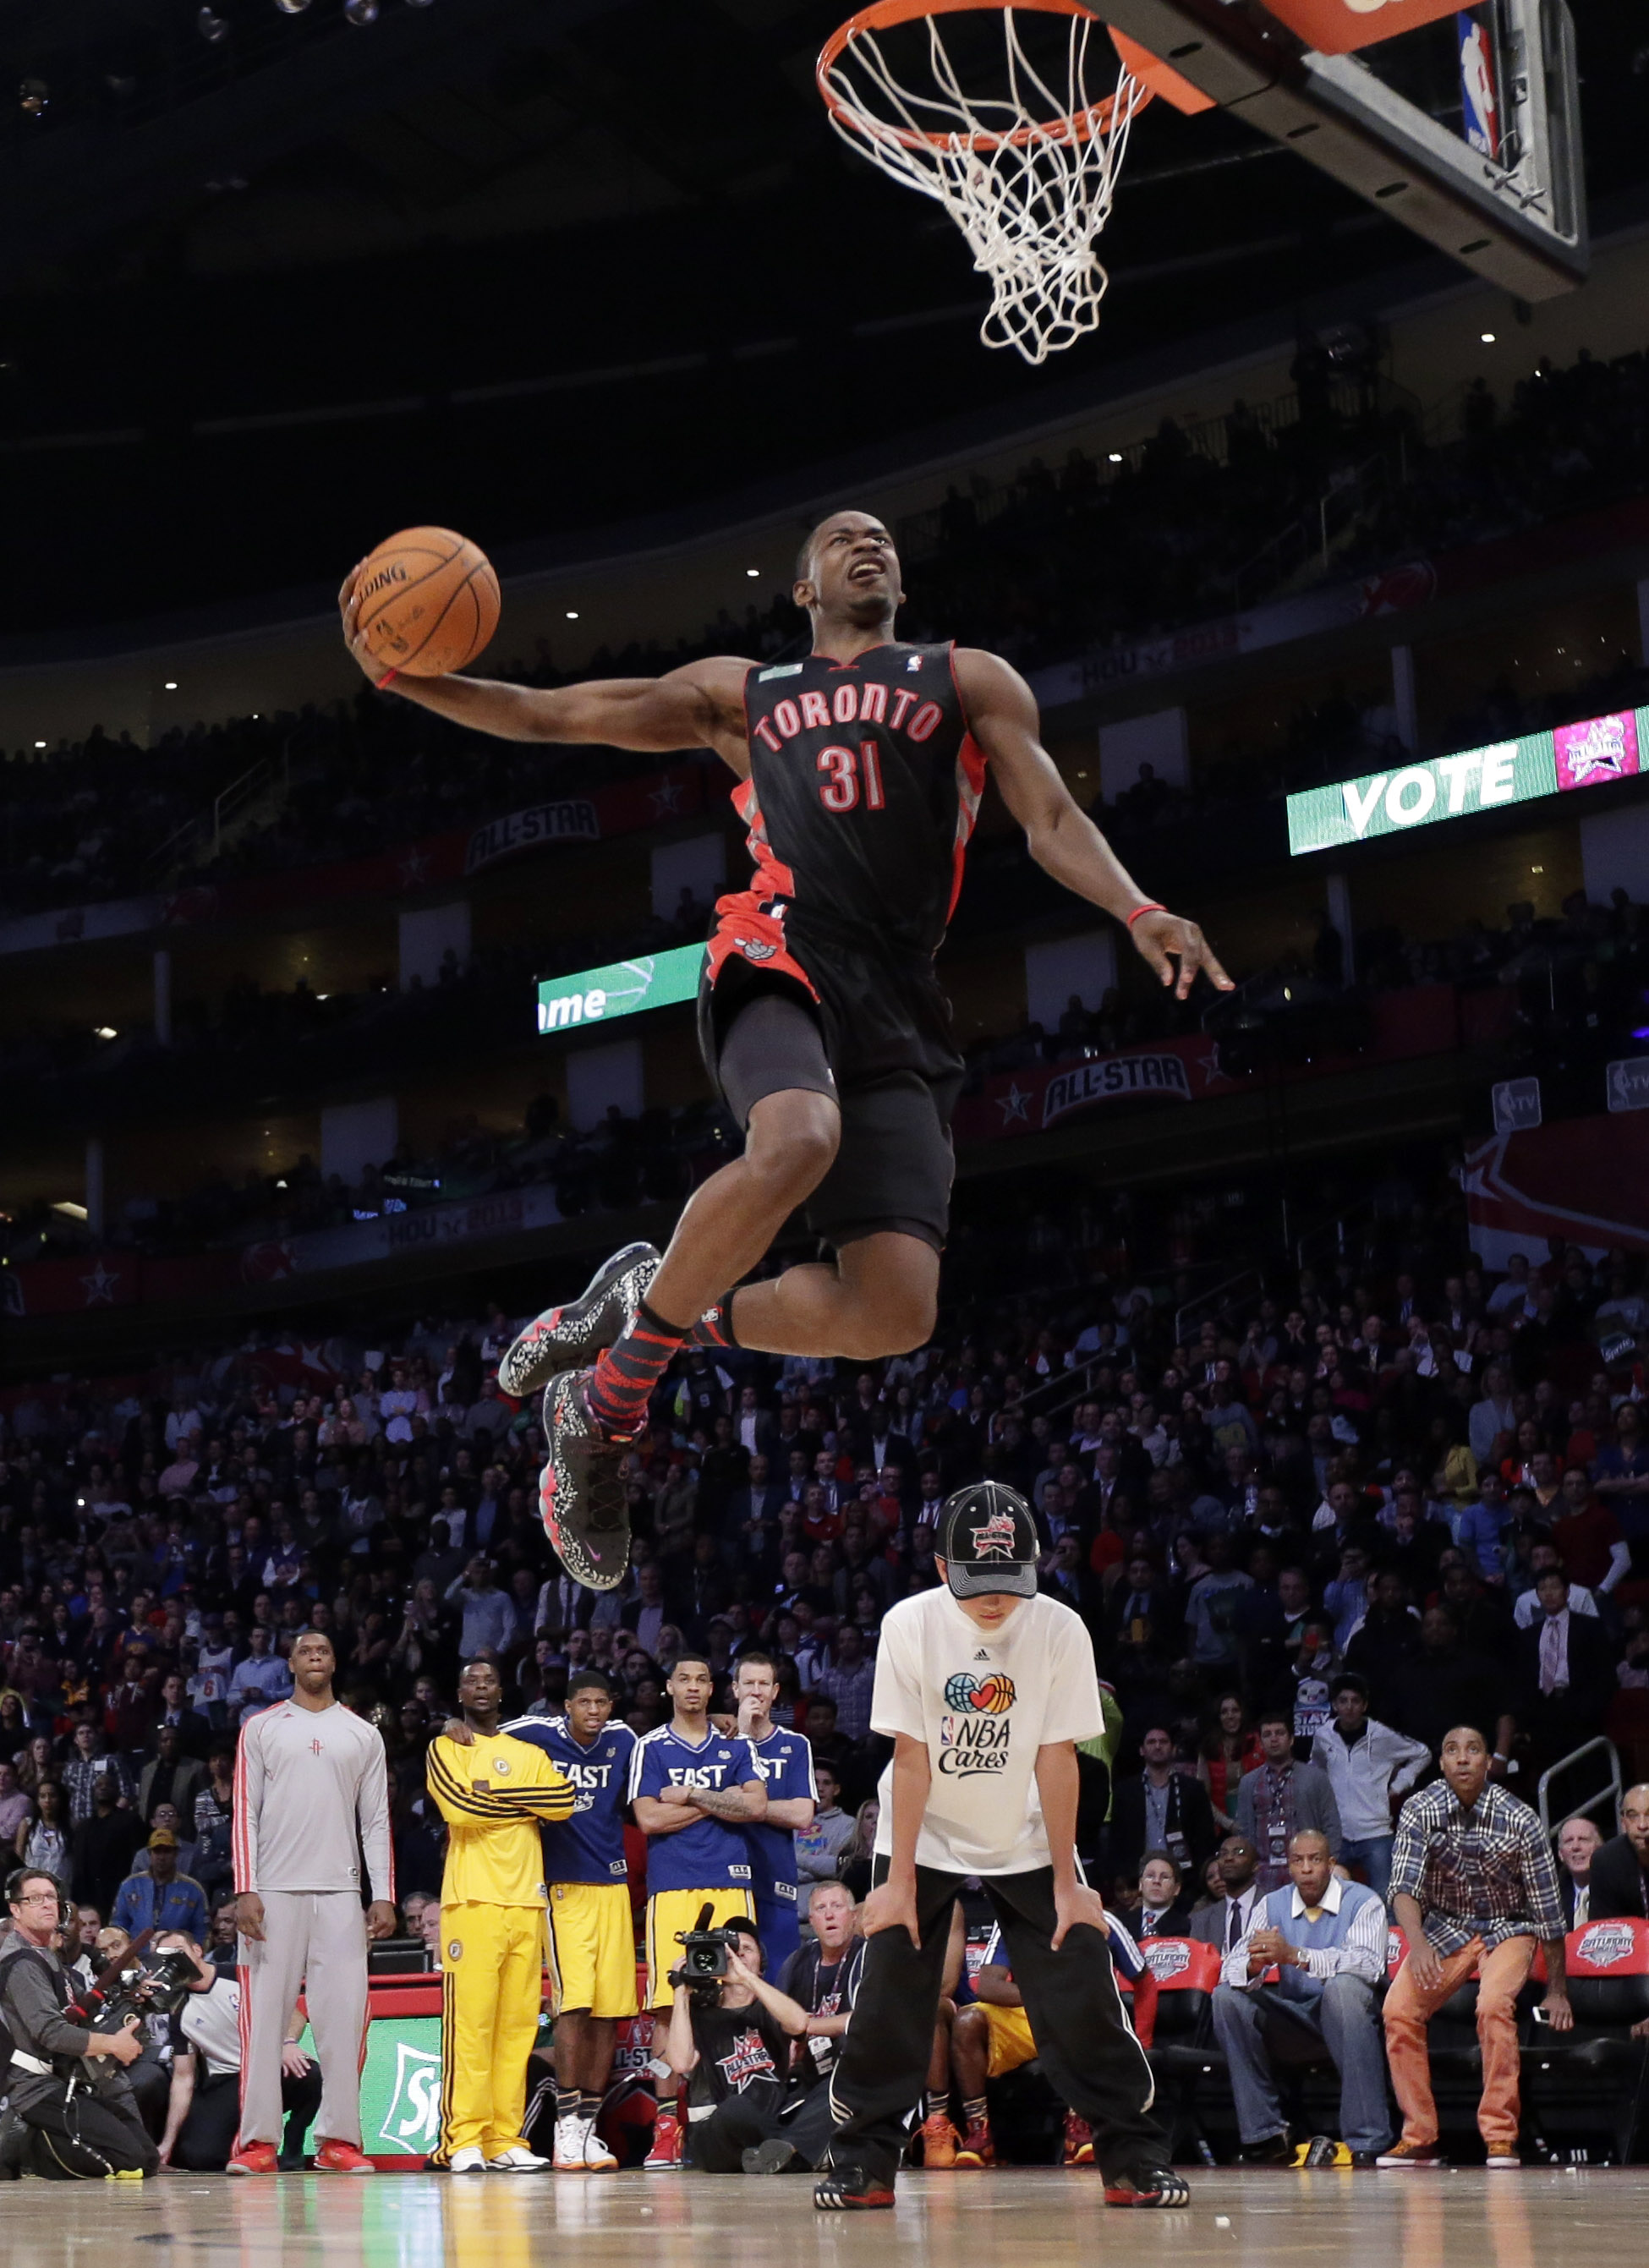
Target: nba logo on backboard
1480,103
1603,748
995,1539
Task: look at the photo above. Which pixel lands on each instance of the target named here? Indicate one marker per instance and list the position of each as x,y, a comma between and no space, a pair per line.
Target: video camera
132,1986
704,1953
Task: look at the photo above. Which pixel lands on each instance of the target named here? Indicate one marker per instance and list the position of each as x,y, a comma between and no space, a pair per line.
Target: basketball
429,601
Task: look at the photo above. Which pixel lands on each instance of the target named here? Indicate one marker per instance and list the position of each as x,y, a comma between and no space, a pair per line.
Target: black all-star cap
989,1541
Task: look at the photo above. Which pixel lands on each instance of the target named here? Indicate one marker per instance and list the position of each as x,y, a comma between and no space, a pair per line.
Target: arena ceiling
532,265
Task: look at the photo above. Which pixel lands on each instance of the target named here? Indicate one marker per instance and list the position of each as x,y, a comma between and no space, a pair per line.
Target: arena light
69,1209
39,744
572,614
170,685
1487,337
753,571
211,27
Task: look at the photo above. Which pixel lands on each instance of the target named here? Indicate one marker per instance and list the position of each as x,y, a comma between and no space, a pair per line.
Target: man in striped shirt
1474,1889
1325,1938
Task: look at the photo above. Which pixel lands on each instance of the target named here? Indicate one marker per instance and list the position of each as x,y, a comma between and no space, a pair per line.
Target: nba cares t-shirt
984,1702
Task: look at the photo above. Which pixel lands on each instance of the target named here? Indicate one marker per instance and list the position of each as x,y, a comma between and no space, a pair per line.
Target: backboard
1488,169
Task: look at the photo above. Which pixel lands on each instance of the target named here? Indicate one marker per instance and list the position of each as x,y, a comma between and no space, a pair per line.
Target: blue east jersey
589,1847
786,1762
708,1855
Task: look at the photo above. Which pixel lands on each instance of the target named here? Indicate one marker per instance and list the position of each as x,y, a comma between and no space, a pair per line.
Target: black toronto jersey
864,787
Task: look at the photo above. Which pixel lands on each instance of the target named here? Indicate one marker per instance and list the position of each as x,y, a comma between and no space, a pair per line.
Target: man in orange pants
1474,1889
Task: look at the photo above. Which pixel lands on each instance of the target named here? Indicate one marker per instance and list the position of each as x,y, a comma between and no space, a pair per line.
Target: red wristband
390,674
1134,917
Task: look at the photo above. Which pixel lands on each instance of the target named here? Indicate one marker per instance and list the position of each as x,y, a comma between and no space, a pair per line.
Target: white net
1022,154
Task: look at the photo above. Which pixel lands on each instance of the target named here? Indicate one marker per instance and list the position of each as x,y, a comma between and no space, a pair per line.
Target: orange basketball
429,601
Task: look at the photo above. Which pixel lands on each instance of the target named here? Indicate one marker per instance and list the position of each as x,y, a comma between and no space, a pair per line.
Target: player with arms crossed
694,1790
861,771
591,1936
311,1793
985,1686
786,1762
493,1792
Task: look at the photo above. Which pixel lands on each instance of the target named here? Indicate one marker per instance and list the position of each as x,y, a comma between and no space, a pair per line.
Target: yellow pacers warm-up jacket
492,1795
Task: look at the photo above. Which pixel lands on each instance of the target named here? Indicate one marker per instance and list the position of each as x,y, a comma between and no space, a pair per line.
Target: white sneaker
570,2134
469,2159
598,2159
518,2159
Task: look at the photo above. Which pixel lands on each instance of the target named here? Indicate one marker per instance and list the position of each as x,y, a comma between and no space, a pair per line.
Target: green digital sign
1430,789
623,988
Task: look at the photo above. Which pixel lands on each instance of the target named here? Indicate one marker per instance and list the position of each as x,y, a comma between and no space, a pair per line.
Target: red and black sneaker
581,1491
570,1337
1147,2185
1078,2141
976,2148
849,2189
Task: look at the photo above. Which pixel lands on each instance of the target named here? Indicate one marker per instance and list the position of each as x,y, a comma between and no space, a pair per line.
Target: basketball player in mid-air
823,1024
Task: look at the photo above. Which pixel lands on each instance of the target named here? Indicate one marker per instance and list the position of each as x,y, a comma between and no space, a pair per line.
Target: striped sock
625,1375
589,2107
567,2101
974,2111
714,1327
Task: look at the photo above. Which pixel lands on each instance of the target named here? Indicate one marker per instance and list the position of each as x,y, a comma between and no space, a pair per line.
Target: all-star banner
1586,1180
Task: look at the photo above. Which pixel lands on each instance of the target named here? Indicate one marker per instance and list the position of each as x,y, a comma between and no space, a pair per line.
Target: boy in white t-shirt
985,1687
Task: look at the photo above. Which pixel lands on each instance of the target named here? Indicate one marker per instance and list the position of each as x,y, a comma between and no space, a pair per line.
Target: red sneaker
977,2148
1078,2141
664,2157
342,2158
253,2158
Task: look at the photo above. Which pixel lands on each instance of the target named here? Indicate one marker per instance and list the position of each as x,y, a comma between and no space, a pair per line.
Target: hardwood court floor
1024,2218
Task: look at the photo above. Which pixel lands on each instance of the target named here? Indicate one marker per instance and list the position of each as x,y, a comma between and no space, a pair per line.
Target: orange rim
881,15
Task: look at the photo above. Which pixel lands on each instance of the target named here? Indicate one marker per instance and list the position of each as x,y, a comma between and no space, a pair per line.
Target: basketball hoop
1023,155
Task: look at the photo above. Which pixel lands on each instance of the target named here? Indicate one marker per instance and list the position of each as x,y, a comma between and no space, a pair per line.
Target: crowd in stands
1163,535
1576,982
1310,1531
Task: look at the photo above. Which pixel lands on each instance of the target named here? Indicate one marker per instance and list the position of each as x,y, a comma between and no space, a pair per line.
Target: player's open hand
1162,938
1078,1904
892,1905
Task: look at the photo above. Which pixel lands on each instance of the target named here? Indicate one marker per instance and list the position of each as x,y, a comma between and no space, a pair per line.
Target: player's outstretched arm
698,706
1001,713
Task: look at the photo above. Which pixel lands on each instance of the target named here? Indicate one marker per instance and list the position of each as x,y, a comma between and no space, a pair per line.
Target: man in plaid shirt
1473,1889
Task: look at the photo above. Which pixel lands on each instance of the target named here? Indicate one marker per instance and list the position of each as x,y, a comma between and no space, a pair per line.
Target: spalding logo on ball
991,1696
428,601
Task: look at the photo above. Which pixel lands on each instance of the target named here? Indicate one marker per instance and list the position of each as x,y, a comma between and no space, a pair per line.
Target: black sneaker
581,1497
849,2189
1275,2150
570,1337
774,2156
1147,2185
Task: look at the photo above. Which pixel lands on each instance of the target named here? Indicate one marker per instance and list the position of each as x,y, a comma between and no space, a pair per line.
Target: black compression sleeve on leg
773,1046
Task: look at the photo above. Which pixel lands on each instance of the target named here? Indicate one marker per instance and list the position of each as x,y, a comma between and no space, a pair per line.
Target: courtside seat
1193,2089
1587,2087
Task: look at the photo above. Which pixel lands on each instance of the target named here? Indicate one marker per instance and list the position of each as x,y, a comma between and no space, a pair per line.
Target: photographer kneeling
72,2115
730,2038
204,2110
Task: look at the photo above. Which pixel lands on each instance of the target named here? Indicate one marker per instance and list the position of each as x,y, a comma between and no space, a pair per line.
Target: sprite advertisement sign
623,988
401,2085
1419,794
